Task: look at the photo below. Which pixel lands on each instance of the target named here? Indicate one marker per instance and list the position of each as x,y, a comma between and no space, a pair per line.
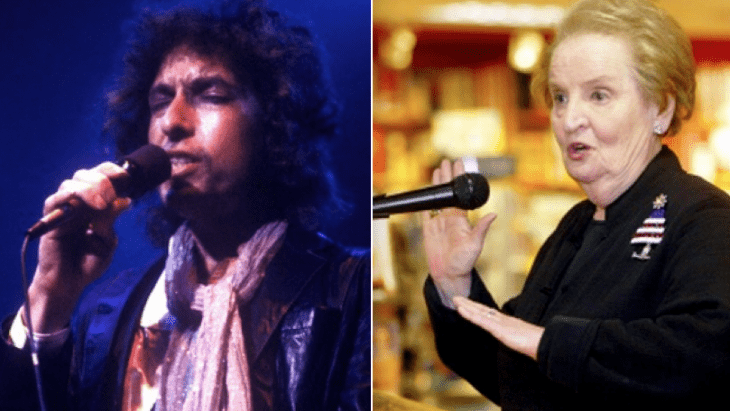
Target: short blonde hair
662,53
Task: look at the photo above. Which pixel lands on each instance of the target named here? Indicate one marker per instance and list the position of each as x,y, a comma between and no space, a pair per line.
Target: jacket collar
662,169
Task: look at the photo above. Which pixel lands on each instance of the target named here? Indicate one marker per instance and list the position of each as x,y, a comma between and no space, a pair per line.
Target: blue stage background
57,60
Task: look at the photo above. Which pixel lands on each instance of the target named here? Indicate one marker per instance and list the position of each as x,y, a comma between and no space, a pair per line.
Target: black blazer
620,332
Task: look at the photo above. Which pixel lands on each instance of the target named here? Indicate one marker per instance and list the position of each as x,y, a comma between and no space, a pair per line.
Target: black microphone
467,191
146,168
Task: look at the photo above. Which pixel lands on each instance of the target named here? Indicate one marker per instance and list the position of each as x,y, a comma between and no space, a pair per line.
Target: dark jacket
307,328
622,333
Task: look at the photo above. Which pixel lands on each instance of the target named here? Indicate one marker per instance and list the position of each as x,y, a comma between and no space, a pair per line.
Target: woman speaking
627,305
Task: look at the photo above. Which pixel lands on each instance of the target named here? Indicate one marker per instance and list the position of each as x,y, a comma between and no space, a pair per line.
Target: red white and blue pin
651,230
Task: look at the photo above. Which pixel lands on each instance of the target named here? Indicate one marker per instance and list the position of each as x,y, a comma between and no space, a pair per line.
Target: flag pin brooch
651,230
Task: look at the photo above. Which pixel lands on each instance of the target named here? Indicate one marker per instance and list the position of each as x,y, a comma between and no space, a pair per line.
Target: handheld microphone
146,168
467,191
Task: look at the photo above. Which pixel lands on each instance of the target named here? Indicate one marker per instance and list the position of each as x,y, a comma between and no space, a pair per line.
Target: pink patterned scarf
205,367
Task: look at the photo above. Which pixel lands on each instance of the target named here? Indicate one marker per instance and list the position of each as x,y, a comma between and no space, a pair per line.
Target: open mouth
578,147
576,151
181,162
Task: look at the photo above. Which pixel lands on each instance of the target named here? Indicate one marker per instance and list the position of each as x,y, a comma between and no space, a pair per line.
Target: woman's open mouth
576,151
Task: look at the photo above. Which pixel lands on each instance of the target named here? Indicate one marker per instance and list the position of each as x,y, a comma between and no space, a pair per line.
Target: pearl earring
658,129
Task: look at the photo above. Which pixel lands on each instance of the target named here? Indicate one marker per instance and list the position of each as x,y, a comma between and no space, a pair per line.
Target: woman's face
603,124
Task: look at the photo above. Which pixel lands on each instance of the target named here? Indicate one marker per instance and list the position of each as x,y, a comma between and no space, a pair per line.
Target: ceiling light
397,49
495,14
524,50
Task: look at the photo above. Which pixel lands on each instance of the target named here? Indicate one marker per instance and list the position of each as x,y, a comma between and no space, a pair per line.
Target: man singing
250,308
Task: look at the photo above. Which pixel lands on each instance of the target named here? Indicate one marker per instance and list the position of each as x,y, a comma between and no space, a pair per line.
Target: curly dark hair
281,63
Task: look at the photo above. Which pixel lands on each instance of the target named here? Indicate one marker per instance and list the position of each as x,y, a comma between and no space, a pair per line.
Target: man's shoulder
314,258
113,289
319,244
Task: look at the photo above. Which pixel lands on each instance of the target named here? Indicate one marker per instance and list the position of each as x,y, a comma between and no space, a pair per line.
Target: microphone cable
29,326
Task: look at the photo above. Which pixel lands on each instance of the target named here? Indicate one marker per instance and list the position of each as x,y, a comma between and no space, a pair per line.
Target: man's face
205,120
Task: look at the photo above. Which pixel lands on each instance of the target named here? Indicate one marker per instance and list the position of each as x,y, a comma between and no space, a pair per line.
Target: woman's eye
559,98
599,95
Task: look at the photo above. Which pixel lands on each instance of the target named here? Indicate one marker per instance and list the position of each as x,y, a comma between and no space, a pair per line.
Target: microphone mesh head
149,166
471,190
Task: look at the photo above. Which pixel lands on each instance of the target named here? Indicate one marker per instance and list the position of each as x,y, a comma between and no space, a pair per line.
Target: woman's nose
574,116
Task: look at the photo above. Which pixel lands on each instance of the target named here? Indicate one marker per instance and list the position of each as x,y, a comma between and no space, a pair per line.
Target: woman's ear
664,119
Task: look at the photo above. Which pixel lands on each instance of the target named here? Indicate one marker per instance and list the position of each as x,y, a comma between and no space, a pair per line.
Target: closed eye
214,90
216,98
159,97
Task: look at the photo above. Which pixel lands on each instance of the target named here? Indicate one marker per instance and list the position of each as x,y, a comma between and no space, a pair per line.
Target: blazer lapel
548,270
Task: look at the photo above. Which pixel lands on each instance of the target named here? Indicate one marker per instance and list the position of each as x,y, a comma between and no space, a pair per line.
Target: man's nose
178,121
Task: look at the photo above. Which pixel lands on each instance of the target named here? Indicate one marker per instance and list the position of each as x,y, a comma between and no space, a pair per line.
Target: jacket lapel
286,277
112,315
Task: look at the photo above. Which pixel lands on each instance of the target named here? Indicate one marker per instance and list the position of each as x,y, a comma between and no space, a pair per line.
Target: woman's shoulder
691,192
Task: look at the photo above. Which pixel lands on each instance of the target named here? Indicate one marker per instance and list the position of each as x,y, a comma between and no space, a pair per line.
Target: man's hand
70,257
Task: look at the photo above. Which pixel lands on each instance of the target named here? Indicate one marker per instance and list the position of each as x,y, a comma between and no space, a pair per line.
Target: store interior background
449,81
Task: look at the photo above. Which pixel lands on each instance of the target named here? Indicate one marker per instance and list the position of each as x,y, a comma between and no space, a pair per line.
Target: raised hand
452,244
73,255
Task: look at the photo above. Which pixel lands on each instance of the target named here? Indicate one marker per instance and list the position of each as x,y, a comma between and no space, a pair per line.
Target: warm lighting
383,264
469,132
720,144
397,50
495,14
723,111
524,50
702,162
713,91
